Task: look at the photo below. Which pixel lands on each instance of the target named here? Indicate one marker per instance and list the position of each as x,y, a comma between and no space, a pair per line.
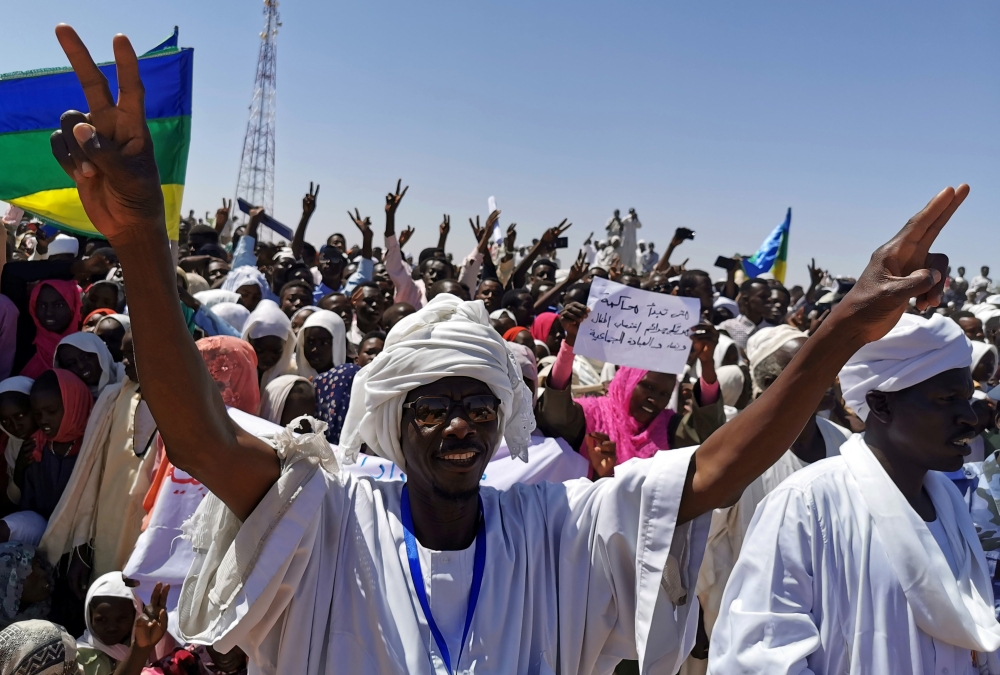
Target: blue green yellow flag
772,256
30,106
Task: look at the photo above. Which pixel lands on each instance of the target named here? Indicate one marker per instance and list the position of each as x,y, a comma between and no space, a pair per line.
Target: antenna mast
256,179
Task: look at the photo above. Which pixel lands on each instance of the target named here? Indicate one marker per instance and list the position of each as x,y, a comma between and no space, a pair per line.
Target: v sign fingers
108,153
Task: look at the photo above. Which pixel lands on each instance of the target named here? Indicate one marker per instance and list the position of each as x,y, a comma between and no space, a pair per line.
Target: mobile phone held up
562,242
725,263
683,233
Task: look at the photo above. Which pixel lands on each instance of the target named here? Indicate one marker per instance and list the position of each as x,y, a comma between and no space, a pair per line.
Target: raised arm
664,262
109,154
548,237
726,463
443,229
550,297
308,208
222,215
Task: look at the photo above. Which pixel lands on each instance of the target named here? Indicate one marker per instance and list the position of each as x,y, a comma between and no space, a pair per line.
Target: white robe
316,580
817,586
629,240
729,526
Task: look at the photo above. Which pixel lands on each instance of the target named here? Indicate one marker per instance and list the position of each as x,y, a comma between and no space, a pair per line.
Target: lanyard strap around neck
413,557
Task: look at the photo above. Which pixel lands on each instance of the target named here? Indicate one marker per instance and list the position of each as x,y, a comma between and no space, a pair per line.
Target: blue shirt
366,268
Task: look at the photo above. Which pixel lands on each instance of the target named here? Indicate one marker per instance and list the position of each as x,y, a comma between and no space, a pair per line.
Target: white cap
63,243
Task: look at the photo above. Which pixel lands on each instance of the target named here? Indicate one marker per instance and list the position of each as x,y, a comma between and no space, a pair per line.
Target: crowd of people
183,424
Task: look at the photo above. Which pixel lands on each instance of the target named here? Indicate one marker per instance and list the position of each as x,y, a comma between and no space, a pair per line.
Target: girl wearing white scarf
267,320
111,372
332,324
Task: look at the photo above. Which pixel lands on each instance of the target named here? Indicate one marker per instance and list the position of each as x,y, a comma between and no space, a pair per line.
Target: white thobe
815,590
629,243
317,580
729,526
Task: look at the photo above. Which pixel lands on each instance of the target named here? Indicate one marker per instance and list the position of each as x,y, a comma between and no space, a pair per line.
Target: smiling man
312,570
868,562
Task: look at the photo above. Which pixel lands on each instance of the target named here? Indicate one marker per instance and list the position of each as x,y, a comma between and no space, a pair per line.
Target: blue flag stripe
34,103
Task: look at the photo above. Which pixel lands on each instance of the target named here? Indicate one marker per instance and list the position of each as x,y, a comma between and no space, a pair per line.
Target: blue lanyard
418,578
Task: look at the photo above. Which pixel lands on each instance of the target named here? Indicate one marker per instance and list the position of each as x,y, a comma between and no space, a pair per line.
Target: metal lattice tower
256,181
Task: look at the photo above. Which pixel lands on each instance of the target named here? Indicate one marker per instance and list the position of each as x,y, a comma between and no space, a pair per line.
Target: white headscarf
446,338
266,321
233,314
272,399
247,275
332,324
916,349
63,243
529,365
979,350
213,297
88,342
18,383
109,585
726,303
125,322
730,379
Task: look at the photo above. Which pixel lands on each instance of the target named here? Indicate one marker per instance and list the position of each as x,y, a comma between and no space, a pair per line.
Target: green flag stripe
27,165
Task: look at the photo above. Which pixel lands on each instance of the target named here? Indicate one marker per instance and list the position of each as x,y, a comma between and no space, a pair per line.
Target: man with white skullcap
769,352
311,570
869,562
62,247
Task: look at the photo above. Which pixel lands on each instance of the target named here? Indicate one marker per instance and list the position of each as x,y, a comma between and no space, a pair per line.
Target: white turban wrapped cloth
915,350
766,342
446,338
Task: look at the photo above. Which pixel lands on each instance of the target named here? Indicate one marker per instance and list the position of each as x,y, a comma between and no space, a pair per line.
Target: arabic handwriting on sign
621,303
600,317
626,325
606,337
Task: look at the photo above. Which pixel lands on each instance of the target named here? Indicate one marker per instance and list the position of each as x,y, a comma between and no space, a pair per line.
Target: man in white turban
316,571
869,562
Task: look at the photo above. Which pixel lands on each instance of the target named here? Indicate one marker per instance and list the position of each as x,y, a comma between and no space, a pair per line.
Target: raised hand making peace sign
108,152
309,201
392,200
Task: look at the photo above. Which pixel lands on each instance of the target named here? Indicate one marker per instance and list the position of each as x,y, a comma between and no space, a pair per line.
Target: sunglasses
430,411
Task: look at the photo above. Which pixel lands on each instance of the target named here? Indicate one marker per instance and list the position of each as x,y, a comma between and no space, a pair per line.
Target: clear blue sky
715,116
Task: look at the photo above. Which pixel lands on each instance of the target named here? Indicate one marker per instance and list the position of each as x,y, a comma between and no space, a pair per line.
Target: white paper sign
641,329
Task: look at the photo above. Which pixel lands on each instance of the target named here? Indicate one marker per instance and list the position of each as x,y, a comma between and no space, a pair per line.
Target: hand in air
363,224
222,213
901,269
309,201
405,235
393,199
572,315
108,152
602,453
151,625
579,268
550,235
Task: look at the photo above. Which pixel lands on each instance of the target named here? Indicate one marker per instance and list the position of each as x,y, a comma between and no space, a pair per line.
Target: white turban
62,244
448,337
213,297
916,349
768,340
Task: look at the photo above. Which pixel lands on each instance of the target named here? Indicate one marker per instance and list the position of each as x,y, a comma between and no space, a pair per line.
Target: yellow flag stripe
63,206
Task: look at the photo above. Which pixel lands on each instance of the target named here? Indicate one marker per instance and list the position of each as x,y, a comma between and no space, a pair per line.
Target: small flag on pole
772,256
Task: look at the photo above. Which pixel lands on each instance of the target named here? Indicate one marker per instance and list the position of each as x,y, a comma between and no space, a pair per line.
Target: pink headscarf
47,341
232,363
77,403
609,415
542,325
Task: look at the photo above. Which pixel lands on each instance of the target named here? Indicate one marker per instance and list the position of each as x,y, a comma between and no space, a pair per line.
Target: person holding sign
310,569
632,420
